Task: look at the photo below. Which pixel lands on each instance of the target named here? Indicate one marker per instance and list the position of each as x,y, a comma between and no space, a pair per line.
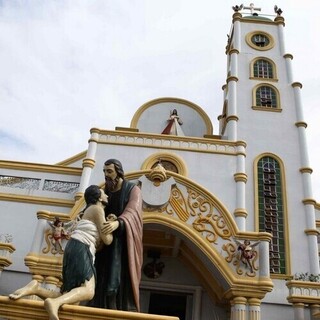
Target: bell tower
263,107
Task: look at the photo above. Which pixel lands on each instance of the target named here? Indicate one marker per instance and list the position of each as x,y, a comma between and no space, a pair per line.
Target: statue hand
110,226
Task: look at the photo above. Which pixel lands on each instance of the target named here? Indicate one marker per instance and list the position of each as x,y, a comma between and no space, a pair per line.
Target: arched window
271,209
263,69
266,96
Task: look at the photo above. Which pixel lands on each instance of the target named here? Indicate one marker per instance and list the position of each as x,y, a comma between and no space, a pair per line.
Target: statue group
103,258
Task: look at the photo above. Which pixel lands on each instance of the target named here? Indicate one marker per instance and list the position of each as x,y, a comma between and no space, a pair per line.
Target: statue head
92,195
117,165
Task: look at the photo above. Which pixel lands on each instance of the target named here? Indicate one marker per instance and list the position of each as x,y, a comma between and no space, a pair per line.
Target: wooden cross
252,8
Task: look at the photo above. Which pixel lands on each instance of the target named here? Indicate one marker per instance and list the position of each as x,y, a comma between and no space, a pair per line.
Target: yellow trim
252,45
166,156
311,232
72,159
232,118
232,78
37,200
288,56
263,108
199,110
306,170
301,124
285,208
297,84
28,309
240,177
35,167
88,163
274,70
240,212
279,20
151,140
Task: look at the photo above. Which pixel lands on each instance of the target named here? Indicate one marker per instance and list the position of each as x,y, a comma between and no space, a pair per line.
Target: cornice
36,167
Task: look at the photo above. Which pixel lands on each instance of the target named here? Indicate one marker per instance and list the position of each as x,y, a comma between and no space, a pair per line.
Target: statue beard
110,184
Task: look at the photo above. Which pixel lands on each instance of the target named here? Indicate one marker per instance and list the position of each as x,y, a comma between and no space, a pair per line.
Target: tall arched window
263,69
266,96
271,208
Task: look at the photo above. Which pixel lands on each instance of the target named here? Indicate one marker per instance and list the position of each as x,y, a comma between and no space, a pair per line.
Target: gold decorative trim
254,302
88,163
297,84
165,156
279,20
158,141
32,309
306,170
232,78
236,16
199,110
72,159
126,129
266,109
285,209
28,166
253,46
288,56
7,246
309,201
37,200
232,118
264,79
44,265
240,177
233,51
311,232
301,124
240,212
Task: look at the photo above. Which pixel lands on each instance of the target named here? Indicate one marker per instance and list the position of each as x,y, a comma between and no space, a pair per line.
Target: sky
67,66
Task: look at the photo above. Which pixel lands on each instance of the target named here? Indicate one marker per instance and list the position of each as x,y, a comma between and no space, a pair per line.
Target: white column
89,162
237,31
240,178
280,22
289,58
42,225
254,309
264,263
298,310
239,309
232,109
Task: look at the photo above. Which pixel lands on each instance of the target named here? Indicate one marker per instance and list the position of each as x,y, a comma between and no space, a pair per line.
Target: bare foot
52,308
30,288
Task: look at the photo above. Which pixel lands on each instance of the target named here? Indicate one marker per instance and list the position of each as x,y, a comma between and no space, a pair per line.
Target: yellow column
239,308
314,308
254,308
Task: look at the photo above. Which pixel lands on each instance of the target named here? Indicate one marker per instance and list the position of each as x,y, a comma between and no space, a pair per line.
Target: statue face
103,197
110,176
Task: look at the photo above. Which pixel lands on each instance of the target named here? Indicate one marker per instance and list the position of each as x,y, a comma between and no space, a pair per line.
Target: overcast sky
69,65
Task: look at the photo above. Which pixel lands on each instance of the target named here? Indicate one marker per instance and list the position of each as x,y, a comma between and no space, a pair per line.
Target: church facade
230,223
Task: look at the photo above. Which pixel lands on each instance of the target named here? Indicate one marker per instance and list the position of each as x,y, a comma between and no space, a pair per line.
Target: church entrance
168,303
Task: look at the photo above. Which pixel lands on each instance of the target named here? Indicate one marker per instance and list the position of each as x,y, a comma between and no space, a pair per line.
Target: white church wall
20,220
218,179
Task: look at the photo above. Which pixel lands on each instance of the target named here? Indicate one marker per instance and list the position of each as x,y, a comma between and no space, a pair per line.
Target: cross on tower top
252,8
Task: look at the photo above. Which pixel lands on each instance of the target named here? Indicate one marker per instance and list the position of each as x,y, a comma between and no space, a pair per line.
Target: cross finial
252,8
